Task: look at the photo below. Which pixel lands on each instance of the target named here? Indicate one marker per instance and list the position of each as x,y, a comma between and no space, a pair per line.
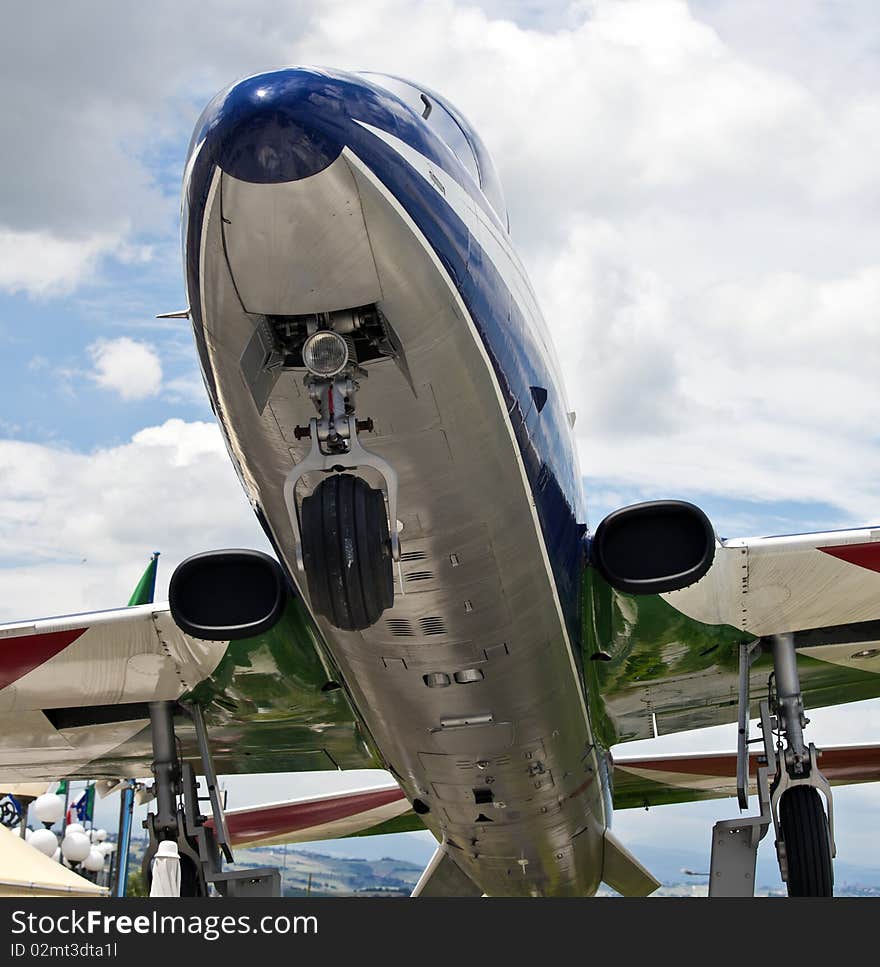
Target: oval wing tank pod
654,547
227,595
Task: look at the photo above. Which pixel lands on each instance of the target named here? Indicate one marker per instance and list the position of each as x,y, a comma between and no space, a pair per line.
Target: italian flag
82,809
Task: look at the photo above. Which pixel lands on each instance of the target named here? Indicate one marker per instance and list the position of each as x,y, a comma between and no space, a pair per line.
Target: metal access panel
248,883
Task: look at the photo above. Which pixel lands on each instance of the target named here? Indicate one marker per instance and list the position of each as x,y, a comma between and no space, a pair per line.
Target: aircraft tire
347,552
807,843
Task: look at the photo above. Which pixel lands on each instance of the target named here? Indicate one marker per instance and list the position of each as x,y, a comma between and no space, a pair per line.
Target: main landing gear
201,845
346,541
789,785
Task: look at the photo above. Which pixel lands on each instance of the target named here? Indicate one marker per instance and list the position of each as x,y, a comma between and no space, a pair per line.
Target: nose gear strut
353,457
342,539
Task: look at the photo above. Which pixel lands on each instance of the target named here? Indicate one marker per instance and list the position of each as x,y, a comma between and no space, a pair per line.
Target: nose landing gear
347,552
346,542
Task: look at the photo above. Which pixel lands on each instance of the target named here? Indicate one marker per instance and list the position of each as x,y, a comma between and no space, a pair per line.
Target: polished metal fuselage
468,685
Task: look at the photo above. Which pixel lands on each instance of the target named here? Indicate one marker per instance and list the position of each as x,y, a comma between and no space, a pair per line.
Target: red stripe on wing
264,822
863,555
24,653
841,764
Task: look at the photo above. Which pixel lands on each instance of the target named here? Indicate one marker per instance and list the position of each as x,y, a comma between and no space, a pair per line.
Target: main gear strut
789,782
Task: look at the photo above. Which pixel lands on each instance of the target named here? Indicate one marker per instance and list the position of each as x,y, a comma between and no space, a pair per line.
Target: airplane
437,606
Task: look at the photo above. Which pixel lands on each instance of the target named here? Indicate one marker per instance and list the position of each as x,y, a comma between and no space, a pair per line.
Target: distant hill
308,872
667,863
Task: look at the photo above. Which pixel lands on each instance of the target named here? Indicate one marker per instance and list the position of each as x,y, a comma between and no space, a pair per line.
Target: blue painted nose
279,126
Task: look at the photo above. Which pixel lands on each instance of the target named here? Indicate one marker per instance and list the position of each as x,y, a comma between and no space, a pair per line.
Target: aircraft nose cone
279,126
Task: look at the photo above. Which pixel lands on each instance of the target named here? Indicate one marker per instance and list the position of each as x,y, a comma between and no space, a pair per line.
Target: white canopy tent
29,790
24,871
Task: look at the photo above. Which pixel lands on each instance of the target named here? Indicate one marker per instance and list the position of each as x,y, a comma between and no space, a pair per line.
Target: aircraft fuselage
308,192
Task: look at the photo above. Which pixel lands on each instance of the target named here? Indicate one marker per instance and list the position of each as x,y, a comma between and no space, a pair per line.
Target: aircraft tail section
623,872
444,877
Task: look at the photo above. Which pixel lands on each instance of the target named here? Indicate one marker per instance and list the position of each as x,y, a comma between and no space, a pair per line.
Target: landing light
325,353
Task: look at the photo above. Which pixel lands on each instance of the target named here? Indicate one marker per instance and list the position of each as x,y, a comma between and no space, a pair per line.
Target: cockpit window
449,130
456,132
410,95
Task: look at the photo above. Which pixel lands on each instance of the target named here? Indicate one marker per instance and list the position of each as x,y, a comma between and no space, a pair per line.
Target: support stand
735,841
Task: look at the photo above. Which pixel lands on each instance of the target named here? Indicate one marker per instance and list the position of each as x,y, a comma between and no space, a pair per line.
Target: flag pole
66,805
119,883
24,804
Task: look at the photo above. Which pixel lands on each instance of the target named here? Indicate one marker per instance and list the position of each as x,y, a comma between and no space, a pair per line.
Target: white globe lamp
94,862
75,846
48,808
44,840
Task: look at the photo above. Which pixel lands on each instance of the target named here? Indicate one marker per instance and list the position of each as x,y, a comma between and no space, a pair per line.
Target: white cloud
91,103
130,368
695,199
78,528
605,108
639,98
699,223
41,264
761,388
693,187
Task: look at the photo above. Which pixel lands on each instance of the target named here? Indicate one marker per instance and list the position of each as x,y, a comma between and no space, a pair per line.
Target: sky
692,187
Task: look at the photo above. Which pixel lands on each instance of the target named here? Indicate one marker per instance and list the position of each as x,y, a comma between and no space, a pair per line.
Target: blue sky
693,188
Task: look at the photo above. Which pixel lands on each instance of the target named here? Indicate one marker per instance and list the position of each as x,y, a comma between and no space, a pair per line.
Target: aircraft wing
672,659
805,582
658,780
74,694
